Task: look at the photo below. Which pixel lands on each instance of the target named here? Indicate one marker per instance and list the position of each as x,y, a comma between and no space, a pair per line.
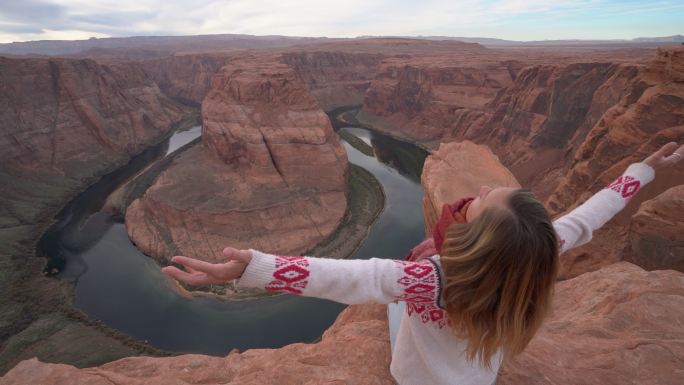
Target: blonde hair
500,270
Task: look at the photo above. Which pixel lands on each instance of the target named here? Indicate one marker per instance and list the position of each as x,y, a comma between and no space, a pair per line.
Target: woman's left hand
201,273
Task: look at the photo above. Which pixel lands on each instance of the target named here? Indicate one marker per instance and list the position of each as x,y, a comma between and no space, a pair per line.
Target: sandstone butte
617,325
270,174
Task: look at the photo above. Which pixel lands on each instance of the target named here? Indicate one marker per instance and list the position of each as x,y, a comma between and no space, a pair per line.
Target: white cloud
71,19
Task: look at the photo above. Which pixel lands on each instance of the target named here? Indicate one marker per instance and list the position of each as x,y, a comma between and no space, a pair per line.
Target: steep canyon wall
63,124
565,130
336,79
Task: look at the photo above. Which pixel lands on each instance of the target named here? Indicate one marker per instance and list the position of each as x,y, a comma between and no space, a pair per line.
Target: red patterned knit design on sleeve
290,275
422,288
626,185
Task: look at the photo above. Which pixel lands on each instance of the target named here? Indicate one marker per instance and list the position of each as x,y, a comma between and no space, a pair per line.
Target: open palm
201,273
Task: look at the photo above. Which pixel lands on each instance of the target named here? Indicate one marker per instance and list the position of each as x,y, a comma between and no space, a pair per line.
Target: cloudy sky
22,20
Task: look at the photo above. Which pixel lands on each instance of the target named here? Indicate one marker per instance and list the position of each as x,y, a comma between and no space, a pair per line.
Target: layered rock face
185,77
546,112
532,111
335,78
656,233
425,99
62,113
564,130
63,124
649,114
271,170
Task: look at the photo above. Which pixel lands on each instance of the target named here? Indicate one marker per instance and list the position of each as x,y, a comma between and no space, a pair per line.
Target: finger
667,149
196,264
233,254
675,155
176,273
180,290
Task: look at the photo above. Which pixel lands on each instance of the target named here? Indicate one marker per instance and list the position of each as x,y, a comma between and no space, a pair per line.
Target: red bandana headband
451,213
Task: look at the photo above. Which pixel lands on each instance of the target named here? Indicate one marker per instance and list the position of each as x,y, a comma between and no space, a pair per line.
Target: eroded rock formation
270,174
186,77
648,114
564,130
335,78
64,123
426,99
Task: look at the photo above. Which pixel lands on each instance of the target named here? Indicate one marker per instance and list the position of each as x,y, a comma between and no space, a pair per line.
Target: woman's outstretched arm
576,228
346,281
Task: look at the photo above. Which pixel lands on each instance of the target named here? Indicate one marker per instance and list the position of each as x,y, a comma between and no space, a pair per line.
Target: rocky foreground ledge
617,325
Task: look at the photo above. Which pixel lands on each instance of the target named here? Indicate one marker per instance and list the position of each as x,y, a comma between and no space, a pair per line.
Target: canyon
65,123
563,123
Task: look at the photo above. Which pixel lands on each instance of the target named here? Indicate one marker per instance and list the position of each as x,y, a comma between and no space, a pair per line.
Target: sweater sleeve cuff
259,271
641,171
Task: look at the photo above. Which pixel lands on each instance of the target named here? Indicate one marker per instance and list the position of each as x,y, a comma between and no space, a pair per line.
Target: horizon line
356,37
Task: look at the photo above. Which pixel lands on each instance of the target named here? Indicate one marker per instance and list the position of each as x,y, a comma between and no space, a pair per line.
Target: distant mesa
170,44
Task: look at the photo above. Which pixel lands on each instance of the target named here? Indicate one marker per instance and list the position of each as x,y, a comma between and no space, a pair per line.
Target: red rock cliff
66,122
648,115
565,130
63,124
186,77
335,78
425,98
61,111
270,174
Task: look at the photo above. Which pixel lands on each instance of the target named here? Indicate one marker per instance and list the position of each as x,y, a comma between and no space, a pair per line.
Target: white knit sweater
426,351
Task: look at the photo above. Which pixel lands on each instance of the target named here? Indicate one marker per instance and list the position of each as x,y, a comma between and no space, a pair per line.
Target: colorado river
117,284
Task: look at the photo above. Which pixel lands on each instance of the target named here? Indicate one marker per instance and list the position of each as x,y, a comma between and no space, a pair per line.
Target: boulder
656,233
617,325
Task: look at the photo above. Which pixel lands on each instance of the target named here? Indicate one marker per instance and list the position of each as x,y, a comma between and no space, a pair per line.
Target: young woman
479,300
